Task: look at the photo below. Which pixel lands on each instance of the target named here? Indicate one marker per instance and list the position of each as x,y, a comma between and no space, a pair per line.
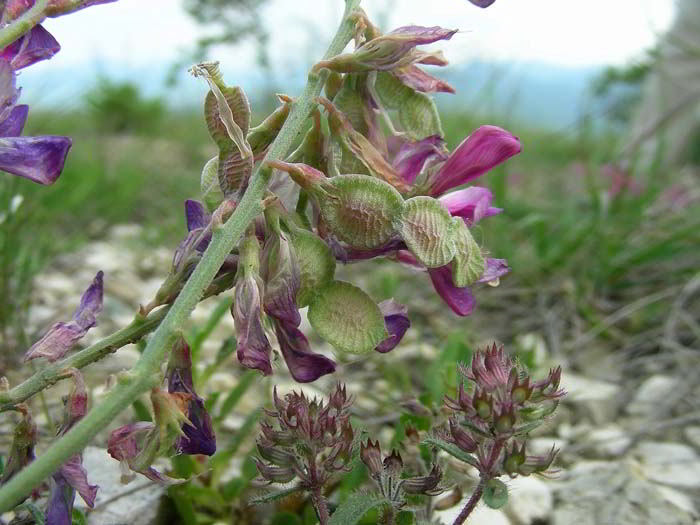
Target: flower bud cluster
388,474
492,418
306,439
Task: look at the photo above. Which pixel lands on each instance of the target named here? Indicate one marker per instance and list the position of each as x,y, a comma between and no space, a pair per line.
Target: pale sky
147,35
567,32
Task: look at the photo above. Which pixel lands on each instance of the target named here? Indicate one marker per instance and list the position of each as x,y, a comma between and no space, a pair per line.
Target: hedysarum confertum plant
353,168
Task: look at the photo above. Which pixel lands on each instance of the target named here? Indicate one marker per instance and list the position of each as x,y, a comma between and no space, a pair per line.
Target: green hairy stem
51,374
142,377
24,23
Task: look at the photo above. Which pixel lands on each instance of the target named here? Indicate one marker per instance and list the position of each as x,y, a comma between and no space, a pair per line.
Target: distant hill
543,95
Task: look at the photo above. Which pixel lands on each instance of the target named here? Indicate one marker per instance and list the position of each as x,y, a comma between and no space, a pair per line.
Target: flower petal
414,77
30,48
90,303
472,204
196,214
199,437
413,156
39,159
61,337
59,510
253,347
396,321
495,269
13,125
460,300
76,476
484,149
304,365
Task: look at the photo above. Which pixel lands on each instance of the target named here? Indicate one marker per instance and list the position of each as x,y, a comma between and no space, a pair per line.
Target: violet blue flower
482,3
61,337
484,149
198,437
396,321
39,159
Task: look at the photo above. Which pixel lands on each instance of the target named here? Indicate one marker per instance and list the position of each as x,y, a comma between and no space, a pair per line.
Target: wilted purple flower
131,445
484,149
72,476
39,159
472,204
36,45
304,365
282,278
396,321
387,52
253,347
63,336
198,437
415,78
198,219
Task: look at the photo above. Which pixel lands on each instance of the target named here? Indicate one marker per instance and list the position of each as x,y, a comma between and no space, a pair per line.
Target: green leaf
352,509
495,493
405,517
417,113
183,504
427,228
452,450
316,264
209,184
361,210
469,263
347,318
275,495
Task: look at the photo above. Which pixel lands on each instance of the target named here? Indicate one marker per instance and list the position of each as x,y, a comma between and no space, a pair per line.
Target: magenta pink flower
484,149
472,204
36,45
396,321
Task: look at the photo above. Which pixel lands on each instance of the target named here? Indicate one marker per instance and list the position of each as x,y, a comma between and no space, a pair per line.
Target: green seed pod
361,210
427,229
316,264
347,318
468,264
209,184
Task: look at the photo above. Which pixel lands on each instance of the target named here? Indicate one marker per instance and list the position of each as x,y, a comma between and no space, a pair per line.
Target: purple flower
198,219
36,45
55,7
63,336
461,300
412,157
396,321
252,347
282,278
198,436
304,365
388,52
472,204
129,444
484,149
39,159
72,476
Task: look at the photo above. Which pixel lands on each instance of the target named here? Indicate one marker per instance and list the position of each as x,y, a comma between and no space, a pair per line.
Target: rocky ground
629,430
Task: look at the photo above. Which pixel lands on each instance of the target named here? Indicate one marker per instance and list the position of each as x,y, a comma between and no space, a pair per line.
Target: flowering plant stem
146,372
24,23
